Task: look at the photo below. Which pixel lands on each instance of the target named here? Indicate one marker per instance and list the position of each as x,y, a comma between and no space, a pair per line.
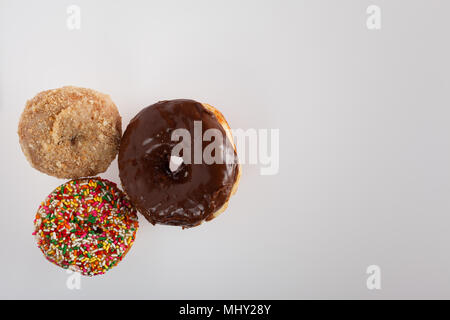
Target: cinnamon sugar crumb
70,132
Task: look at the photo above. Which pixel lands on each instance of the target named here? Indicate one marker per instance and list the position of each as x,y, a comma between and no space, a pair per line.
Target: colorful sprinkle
86,225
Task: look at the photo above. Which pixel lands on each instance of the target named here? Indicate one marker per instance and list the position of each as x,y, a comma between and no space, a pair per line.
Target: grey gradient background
364,153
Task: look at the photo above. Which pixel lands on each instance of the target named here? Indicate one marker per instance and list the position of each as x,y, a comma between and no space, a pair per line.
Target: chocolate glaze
188,195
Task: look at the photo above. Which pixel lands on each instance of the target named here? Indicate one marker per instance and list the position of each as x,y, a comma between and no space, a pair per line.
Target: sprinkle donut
86,225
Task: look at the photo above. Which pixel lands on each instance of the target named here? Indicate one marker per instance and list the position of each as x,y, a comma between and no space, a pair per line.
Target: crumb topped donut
190,192
86,225
70,132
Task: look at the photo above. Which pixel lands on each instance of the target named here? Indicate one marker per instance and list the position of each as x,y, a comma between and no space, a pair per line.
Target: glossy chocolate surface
193,192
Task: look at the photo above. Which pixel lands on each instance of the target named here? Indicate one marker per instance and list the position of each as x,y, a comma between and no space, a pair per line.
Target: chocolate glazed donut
195,191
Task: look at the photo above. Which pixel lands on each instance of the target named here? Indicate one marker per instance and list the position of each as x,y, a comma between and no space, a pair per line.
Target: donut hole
170,162
175,163
68,129
97,230
73,140
158,162
180,174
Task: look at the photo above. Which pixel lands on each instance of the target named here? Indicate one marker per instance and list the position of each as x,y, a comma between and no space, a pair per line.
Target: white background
364,142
